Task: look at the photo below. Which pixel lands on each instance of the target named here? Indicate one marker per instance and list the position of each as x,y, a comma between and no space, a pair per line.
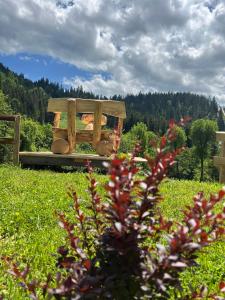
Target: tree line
154,109
148,116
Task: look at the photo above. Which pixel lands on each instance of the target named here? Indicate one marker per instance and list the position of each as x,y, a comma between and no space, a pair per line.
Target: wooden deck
74,159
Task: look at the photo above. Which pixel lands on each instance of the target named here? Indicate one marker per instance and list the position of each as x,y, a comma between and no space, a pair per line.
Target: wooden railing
219,161
15,140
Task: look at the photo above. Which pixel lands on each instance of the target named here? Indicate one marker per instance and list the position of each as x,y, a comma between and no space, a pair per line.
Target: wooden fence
219,161
15,140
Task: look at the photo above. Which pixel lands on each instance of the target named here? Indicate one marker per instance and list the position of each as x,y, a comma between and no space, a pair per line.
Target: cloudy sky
118,46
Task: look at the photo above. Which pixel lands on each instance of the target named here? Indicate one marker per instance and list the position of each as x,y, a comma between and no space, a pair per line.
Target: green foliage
186,164
180,139
203,135
34,136
138,133
156,109
4,106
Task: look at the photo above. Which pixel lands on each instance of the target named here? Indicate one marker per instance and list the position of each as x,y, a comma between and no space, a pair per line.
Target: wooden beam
109,107
16,146
57,119
119,134
97,123
219,161
75,159
71,125
5,141
220,136
7,118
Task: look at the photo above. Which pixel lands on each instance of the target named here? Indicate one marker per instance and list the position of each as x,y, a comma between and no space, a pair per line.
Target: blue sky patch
35,67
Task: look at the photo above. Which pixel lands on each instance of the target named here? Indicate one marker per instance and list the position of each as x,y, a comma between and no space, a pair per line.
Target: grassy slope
29,229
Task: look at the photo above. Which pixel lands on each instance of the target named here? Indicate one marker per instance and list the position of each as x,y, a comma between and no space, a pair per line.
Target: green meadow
30,233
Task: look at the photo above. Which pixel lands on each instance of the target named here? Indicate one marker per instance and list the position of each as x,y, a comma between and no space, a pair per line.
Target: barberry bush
123,247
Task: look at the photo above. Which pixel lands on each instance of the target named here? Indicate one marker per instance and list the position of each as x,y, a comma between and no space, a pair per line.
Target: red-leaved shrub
124,248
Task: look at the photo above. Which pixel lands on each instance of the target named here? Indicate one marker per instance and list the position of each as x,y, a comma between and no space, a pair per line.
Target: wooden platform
74,159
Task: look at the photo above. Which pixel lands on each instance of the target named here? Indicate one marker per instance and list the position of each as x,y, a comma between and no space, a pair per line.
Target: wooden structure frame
72,106
219,161
73,136
15,140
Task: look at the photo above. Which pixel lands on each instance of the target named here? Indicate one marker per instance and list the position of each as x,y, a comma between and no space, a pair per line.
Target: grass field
29,229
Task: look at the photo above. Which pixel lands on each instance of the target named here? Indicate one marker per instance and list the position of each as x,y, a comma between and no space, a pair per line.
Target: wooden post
57,119
71,126
16,143
15,140
119,133
222,168
97,123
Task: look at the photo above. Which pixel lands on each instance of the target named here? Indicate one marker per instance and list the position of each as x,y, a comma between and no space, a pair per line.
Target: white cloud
147,45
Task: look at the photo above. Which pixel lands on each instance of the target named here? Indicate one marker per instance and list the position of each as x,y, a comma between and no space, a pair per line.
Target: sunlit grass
29,229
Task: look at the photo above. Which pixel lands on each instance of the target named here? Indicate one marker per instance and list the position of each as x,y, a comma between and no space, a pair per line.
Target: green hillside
154,109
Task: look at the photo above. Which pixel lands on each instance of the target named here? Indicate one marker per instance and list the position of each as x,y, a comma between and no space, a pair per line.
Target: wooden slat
97,124
220,136
219,161
71,125
57,119
7,118
110,107
75,159
60,133
114,108
16,147
82,135
5,141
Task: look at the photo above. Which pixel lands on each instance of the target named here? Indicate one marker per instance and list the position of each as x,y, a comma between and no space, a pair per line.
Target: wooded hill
155,109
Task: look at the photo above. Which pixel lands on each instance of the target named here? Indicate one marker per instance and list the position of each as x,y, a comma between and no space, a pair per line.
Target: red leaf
222,286
87,264
221,193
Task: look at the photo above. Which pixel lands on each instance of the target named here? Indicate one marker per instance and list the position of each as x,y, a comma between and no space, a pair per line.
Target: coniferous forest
154,109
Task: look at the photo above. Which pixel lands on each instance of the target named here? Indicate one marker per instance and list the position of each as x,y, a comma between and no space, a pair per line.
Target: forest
148,116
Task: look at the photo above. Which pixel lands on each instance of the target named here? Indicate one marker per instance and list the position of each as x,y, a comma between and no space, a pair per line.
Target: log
109,107
60,133
104,148
97,124
71,125
60,146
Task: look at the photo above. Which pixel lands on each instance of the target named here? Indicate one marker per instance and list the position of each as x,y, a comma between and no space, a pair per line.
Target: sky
118,46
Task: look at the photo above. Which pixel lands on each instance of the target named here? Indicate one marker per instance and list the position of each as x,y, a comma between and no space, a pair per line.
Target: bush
34,136
122,247
140,133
